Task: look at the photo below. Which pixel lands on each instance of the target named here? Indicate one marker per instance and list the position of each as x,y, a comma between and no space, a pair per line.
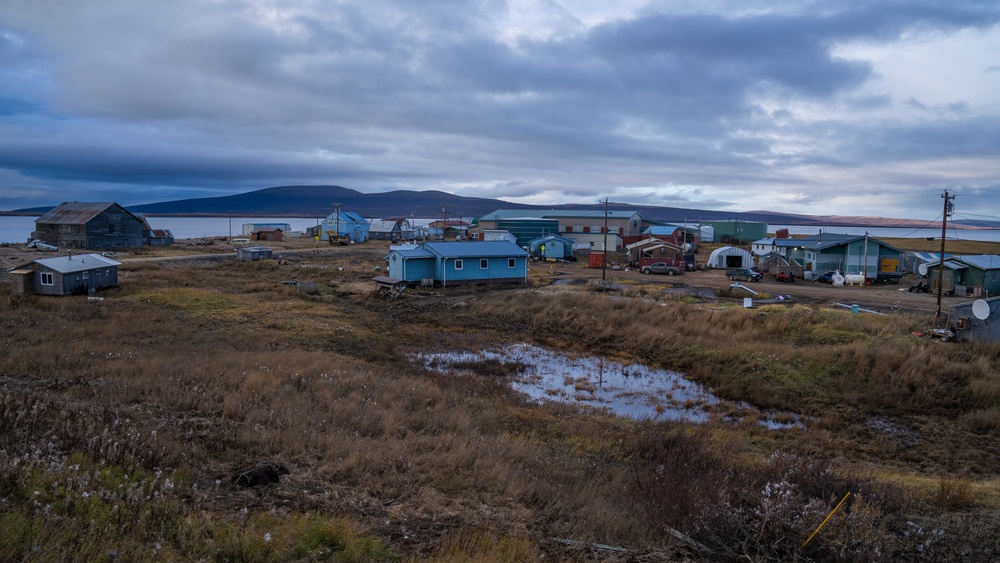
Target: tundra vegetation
125,420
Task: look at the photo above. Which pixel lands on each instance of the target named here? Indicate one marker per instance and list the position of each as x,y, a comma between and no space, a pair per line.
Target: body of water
18,229
991,235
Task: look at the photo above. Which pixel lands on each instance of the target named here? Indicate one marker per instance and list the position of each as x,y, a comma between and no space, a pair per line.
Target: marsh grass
127,417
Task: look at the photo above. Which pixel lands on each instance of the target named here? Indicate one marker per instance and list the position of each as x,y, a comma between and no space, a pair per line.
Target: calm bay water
18,229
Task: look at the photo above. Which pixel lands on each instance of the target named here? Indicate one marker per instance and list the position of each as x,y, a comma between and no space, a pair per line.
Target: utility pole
604,261
337,234
948,208
444,226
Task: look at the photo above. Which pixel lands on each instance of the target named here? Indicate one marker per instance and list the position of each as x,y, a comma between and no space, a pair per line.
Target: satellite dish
922,269
980,309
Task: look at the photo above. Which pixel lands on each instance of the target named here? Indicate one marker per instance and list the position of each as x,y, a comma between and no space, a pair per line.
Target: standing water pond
629,390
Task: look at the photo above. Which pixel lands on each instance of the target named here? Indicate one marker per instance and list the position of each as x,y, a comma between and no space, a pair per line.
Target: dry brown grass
149,400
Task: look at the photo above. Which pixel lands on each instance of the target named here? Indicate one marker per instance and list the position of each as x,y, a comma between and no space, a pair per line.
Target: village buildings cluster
499,246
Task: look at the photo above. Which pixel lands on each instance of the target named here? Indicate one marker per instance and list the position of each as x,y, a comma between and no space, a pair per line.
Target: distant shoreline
830,223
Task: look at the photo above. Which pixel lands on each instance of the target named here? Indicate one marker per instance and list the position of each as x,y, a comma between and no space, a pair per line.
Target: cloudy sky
830,107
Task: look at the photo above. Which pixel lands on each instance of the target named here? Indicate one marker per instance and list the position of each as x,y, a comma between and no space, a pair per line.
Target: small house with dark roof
89,225
388,229
272,234
65,275
452,263
154,237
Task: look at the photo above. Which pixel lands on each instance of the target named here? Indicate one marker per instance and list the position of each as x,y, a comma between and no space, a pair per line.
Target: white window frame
49,276
484,264
512,262
459,264
86,275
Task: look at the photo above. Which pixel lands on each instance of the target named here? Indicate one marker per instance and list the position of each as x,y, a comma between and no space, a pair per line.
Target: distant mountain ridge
320,201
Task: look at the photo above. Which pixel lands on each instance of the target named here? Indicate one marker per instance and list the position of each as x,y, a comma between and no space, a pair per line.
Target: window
458,264
46,278
511,262
484,263
86,275
111,229
66,228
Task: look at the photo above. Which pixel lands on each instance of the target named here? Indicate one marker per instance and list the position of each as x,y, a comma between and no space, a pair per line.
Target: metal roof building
66,275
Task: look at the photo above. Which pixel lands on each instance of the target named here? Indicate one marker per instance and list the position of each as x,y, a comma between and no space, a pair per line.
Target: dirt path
876,297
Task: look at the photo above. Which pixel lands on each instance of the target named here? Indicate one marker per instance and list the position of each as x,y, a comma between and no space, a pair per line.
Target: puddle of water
630,390
634,391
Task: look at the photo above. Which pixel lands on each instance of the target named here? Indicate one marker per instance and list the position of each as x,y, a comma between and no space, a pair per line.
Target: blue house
345,224
452,263
551,247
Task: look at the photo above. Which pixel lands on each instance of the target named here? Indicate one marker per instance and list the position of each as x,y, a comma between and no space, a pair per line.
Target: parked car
744,274
662,268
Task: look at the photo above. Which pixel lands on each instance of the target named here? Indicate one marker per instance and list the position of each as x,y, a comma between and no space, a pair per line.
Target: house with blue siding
452,263
551,247
346,224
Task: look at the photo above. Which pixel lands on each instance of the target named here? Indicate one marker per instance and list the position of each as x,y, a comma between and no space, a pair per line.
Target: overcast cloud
846,108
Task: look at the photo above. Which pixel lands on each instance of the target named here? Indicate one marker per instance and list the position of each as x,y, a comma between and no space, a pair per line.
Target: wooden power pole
604,261
948,208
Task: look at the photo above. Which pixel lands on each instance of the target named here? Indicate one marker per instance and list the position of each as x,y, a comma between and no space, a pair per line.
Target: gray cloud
184,97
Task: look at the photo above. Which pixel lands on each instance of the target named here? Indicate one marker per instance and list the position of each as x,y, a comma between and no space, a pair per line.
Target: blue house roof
660,230
414,253
501,248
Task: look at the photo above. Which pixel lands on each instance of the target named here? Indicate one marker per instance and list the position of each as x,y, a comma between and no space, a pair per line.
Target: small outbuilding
551,247
730,257
65,275
253,253
976,320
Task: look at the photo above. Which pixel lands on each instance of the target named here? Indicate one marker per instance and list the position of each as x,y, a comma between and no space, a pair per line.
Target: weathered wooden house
451,263
154,237
89,225
271,234
65,275
654,249
388,229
